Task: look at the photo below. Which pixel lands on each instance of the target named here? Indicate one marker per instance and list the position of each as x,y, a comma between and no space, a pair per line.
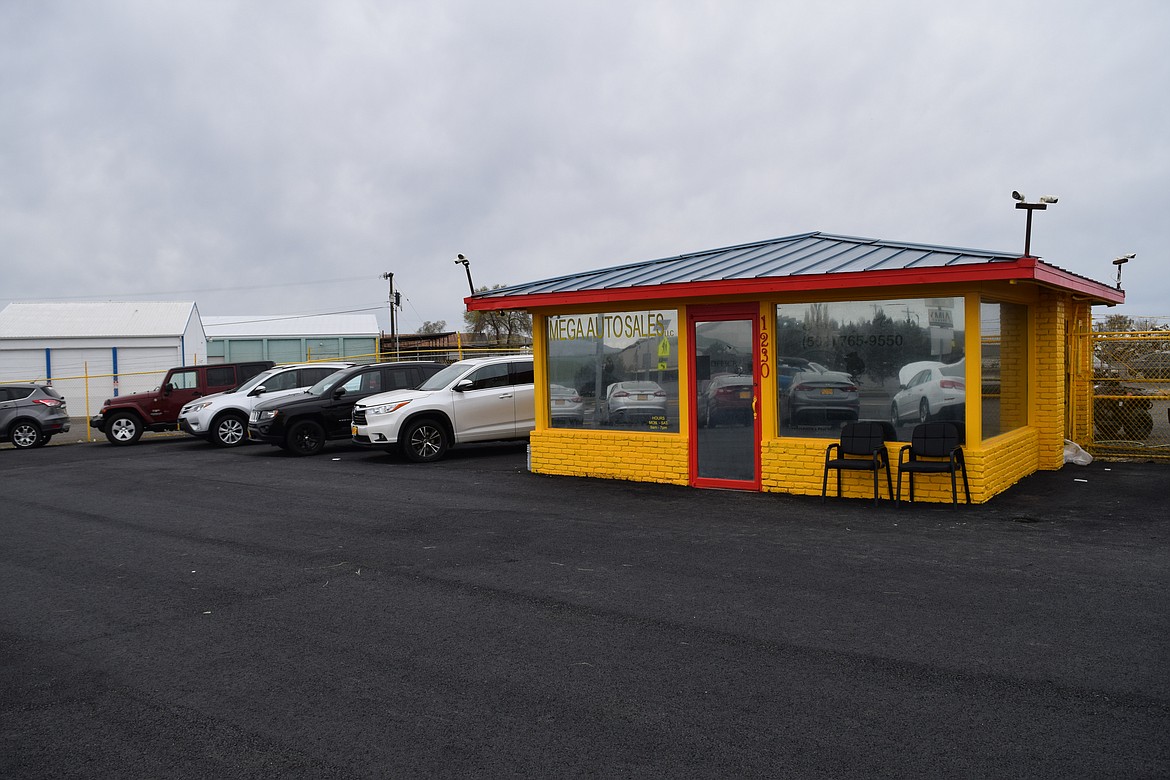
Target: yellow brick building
736,367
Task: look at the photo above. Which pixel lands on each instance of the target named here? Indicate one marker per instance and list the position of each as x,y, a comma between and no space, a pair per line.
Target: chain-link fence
1131,390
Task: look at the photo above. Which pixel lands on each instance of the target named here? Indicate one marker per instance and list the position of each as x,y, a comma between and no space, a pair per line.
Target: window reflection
1004,353
896,360
614,370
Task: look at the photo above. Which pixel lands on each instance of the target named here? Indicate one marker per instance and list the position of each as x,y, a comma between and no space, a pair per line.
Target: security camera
1125,258
461,257
1016,195
1048,199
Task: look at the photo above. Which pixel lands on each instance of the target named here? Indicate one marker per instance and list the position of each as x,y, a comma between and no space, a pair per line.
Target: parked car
1155,365
481,399
222,418
31,414
937,391
788,367
627,402
726,398
303,422
124,418
818,396
1121,411
565,406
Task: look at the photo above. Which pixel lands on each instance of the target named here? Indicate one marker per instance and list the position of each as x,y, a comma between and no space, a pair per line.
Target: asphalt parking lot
171,609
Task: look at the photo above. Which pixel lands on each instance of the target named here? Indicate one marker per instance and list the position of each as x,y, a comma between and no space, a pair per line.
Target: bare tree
506,326
430,328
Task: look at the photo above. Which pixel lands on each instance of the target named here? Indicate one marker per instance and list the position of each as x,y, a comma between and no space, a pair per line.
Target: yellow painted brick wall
1048,379
641,457
1002,462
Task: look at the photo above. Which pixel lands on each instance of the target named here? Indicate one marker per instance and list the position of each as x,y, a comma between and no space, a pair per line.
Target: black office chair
934,448
862,448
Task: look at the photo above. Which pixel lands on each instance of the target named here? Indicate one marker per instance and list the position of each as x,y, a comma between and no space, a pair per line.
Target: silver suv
481,399
31,414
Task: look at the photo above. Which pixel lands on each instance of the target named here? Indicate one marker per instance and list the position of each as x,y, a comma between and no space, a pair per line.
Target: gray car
31,414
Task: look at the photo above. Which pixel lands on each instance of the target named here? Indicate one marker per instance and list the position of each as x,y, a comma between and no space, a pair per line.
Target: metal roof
96,319
268,326
807,261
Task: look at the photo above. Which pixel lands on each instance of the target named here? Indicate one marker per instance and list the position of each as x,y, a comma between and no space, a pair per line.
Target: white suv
222,418
480,399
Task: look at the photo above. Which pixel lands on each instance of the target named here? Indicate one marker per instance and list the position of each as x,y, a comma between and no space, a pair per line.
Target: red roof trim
1024,269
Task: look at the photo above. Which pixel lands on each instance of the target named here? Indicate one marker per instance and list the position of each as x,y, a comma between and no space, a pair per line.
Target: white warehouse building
90,351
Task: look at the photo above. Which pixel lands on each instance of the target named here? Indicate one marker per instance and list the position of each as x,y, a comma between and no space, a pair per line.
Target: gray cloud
296,151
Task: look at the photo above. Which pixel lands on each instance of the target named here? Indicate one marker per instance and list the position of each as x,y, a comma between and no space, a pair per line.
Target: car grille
359,416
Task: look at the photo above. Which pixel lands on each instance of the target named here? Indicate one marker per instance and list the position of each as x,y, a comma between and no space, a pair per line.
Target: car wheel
123,428
924,411
26,434
424,441
229,430
305,437
894,418
712,418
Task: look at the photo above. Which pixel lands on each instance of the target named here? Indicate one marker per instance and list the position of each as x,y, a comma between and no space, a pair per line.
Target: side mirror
338,392
257,390
168,387
463,385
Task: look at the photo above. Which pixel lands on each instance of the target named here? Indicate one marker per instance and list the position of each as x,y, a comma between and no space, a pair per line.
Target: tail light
950,384
659,394
621,394
52,403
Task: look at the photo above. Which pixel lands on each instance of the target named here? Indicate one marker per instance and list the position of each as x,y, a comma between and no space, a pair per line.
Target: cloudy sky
276,158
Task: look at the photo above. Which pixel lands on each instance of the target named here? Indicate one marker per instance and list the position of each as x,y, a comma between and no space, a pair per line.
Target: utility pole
393,301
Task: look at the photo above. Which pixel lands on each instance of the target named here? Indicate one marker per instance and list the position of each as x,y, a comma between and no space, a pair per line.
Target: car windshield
259,379
445,377
327,382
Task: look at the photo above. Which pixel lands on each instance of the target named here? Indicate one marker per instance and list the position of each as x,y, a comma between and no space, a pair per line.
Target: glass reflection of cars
818,396
726,398
633,401
565,406
935,391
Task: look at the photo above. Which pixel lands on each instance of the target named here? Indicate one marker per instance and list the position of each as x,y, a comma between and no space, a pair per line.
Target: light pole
1120,262
463,261
1022,203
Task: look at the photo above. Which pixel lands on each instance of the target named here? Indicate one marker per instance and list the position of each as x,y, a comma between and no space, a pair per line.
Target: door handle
505,395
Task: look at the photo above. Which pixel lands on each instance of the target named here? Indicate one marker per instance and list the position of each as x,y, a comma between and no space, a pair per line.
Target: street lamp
1030,207
463,261
1120,262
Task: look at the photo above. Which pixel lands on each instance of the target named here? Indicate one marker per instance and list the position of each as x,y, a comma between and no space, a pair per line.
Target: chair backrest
862,438
934,439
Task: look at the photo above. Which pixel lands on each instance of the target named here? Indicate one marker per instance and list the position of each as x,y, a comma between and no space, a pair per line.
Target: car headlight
268,414
381,409
195,407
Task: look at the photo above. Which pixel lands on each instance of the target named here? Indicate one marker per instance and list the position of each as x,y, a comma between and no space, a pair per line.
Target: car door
184,387
8,396
336,414
525,399
487,409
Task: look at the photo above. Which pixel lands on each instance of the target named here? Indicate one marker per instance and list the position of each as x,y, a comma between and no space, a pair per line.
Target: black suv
303,422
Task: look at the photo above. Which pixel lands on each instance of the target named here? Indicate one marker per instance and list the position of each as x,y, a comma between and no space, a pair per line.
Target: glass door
724,396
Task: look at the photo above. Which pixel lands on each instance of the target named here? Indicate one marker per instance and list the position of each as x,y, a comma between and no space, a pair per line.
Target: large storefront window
896,360
1004,359
614,370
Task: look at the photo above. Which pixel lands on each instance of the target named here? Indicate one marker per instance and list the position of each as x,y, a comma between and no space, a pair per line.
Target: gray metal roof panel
797,255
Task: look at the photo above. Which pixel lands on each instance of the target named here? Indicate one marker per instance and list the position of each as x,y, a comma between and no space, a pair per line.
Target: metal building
98,349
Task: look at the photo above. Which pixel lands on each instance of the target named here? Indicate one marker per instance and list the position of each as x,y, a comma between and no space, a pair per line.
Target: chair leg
966,486
954,491
898,500
875,487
